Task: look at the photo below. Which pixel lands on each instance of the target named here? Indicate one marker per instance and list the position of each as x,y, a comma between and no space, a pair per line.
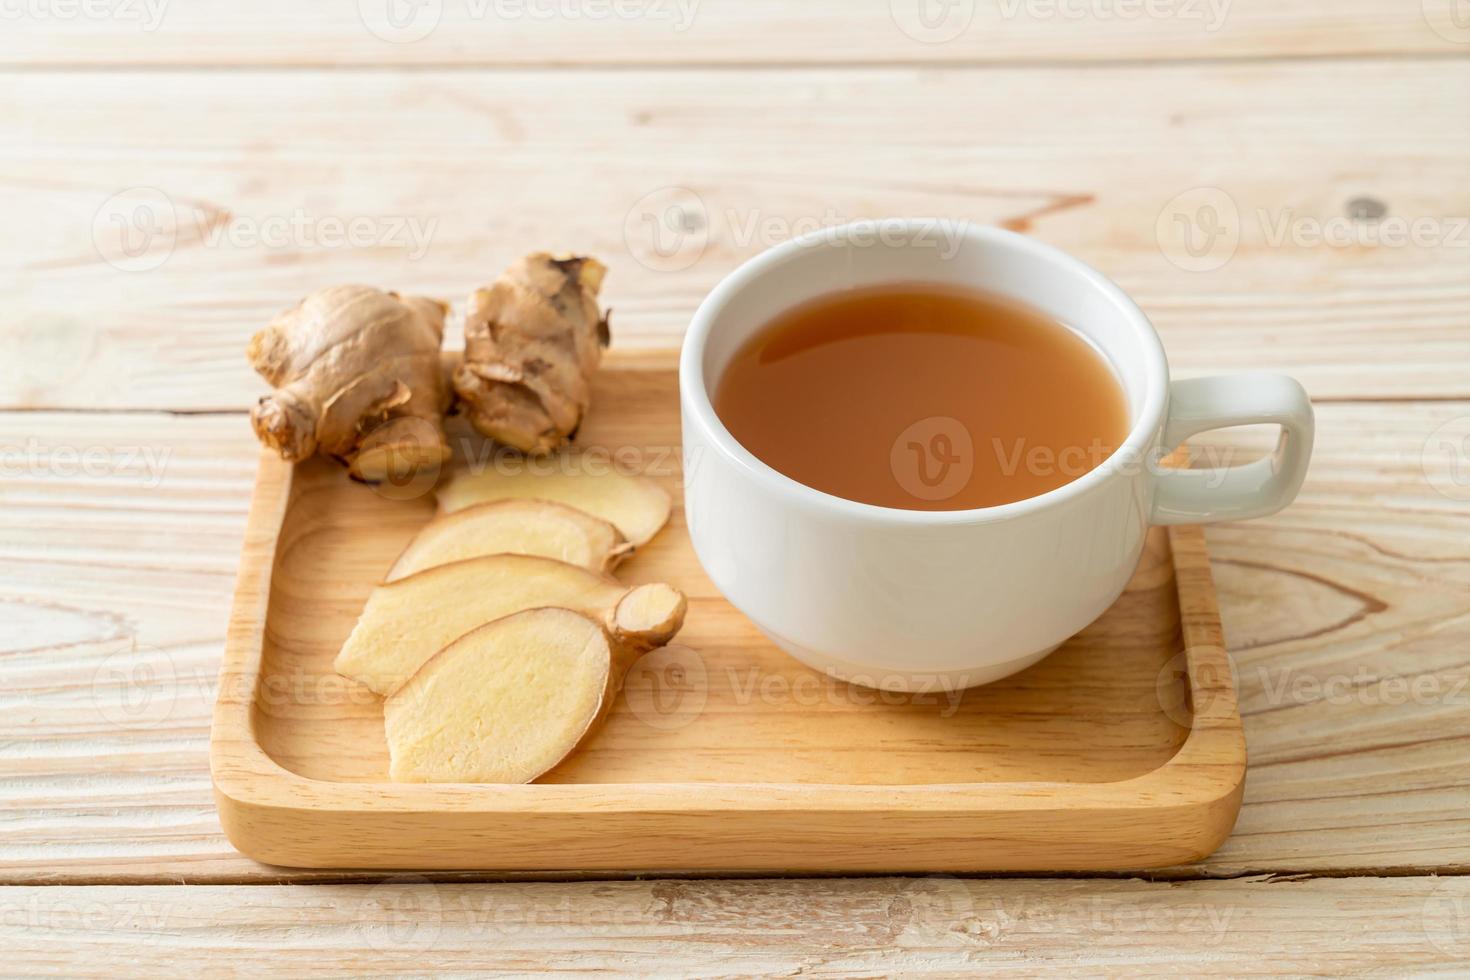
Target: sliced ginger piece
514,527
512,699
637,507
406,622
502,704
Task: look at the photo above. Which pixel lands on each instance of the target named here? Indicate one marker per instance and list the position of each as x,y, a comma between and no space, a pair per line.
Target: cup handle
1234,493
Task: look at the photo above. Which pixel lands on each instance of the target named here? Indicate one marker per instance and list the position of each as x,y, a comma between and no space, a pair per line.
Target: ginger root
532,341
358,378
509,701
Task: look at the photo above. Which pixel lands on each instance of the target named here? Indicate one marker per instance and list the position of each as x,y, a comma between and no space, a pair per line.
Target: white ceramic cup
910,600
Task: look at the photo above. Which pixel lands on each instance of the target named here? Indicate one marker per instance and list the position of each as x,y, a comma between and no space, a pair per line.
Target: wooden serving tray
1122,750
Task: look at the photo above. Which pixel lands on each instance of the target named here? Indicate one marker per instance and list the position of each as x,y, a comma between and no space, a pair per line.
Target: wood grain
452,174
849,928
729,32
105,776
1122,750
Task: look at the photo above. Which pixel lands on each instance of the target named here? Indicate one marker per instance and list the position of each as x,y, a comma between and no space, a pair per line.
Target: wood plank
882,927
451,175
732,32
115,594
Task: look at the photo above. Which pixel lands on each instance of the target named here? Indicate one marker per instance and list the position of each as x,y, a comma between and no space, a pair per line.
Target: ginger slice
514,527
637,507
406,622
358,378
512,699
532,342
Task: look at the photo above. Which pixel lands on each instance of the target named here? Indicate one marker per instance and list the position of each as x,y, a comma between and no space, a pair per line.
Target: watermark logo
1447,918
1446,459
139,229
1450,19
136,230
33,459
136,689
672,228
657,462
668,688
404,912
667,230
1183,698
933,21
1199,230
147,14
1365,225
400,21
408,21
1211,15
302,229
406,456
933,459
936,905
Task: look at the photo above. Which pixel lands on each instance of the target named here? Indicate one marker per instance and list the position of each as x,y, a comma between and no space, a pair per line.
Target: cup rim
695,396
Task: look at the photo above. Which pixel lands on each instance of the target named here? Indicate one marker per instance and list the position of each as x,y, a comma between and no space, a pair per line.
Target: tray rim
1205,776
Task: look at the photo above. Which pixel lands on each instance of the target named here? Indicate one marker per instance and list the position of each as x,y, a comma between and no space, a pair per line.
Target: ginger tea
923,397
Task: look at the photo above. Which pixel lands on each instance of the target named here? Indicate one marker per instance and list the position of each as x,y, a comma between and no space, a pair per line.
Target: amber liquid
923,397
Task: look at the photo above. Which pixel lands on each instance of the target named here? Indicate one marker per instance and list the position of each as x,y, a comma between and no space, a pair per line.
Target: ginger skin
532,343
358,378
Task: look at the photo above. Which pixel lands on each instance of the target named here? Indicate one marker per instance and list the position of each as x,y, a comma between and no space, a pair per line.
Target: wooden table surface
1280,183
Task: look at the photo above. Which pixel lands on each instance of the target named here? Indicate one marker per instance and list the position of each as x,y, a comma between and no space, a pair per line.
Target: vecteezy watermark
1287,227
1183,695
400,21
671,228
941,21
62,911
1446,459
1209,14
403,912
668,688
1450,19
407,456
934,458
303,229
138,230
136,688
933,21
1129,911
147,14
1216,674
35,459
671,688
407,21
1201,229
940,905
656,462
412,462
1446,917
1362,687
409,913
667,230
